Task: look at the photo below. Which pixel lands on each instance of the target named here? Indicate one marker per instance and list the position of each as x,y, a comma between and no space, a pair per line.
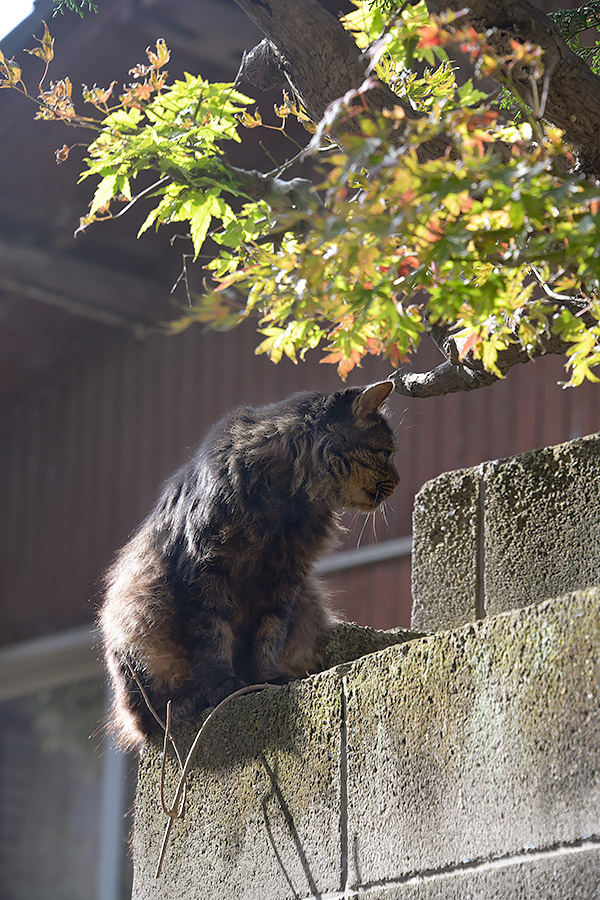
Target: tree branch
573,101
444,379
468,374
317,55
321,63
282,195
319,60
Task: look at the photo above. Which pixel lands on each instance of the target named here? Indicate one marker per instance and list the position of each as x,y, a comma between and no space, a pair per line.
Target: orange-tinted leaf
46,49
158,80
57,101
61,154
162,55
396,358
468,345
432,35
248,120
374,346
96,95
345,363
332,358
408,263
482,120
137,94
143,91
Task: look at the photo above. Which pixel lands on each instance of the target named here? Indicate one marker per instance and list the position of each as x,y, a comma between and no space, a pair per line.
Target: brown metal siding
377,595
84,454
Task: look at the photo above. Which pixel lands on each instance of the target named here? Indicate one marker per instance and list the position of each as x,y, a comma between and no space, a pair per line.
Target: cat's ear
371,398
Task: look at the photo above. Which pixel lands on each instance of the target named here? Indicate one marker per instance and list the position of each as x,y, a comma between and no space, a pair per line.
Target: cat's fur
216,588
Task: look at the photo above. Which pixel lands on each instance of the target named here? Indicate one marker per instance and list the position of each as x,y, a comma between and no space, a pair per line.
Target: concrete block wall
506,534
463,764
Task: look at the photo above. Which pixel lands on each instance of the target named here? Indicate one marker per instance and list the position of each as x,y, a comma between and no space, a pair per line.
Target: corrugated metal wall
83,455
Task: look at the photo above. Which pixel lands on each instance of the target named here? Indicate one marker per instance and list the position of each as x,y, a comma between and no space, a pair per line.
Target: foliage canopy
489,237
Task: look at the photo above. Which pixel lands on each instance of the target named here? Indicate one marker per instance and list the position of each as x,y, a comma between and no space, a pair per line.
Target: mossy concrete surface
542,524
263,811
506,534
348,641
481,743
573,875
444,558
264,800
448,757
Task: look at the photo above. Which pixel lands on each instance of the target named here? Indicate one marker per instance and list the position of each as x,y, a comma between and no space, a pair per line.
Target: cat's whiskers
384,514
379,507
362,530
357,513
374,527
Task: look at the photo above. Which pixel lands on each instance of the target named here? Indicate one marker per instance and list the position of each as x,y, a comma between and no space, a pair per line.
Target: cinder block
348,641
445,561
506,534
263,813
475,744
542,524
566,874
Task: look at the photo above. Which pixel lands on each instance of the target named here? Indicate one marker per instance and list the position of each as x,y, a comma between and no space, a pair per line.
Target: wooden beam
83,289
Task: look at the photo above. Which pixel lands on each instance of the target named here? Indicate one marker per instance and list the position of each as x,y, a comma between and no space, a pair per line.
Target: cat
216,588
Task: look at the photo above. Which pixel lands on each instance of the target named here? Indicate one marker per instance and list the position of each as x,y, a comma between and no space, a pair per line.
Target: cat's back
246,424
249,446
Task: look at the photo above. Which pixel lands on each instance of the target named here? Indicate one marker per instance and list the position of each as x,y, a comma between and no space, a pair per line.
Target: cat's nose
395,474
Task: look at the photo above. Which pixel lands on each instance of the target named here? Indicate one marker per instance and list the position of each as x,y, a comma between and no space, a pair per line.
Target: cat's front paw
185,710
223,689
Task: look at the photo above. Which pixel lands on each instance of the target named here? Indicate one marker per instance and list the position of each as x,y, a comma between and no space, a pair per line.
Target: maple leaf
61,154
432,35
162,55
46,49
97,96
345,363
10,72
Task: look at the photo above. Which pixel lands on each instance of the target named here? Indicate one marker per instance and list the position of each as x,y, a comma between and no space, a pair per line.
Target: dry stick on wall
181,787
166,727
176,810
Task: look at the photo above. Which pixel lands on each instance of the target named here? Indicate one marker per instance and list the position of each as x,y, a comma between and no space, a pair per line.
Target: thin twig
168,737
240,71
189,759
547,289
177,807
183,276
545,90
285,165
165,727
140,195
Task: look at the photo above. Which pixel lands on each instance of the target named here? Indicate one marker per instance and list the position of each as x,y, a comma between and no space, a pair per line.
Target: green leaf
200,218
104,193
149,220
122,118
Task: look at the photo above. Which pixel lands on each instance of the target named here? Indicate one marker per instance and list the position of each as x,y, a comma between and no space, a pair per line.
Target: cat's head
356,453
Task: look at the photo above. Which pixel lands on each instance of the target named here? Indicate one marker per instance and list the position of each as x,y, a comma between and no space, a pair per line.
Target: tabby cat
216,588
